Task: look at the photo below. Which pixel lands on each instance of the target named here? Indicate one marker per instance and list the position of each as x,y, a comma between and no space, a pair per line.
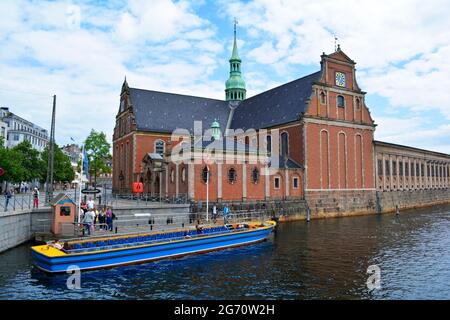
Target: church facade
311,138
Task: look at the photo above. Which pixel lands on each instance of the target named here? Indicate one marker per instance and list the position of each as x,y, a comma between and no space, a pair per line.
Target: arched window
205,174
269,144
340,101
255,175
232,175
247,144
358,104
183,174
172,175
284,144
159,147
323,98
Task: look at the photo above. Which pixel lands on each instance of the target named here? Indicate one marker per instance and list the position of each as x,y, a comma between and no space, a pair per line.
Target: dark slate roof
165,112
227,144
287,163
276,106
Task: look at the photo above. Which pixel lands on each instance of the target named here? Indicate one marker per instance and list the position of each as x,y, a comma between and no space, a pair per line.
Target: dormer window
340,101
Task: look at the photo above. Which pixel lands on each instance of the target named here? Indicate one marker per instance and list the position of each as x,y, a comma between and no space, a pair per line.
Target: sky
82,50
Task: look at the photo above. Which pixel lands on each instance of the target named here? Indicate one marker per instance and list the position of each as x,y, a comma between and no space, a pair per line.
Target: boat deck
116,242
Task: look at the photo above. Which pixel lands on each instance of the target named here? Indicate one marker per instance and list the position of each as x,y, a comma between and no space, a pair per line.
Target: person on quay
109,218
214,213
9,195
35,198
90,204
225,214
88,221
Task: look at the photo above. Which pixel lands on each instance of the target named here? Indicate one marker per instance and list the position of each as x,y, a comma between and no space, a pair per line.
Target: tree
30,161
11,162
97,149
63,171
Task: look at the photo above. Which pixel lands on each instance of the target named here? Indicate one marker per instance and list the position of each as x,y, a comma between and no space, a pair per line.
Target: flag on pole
85,163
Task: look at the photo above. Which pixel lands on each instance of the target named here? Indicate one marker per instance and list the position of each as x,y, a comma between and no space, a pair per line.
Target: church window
232,175
159,147
276,182
205,175
255,175
358,104
269,144
340,101
295,182
323,98
380,168
284,144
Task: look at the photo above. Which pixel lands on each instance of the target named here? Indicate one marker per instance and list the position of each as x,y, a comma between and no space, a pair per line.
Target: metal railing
142,199
20,202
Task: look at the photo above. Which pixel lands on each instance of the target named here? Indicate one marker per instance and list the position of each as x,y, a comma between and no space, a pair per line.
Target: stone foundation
324,204
387,201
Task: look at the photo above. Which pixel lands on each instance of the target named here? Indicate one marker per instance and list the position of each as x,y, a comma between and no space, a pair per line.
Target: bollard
397,210
308,214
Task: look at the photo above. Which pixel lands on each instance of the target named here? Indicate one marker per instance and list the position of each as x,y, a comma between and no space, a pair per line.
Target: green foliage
30,161
97,149
11,162
62,168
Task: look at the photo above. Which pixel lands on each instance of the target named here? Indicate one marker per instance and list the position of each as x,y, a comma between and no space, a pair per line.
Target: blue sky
81,51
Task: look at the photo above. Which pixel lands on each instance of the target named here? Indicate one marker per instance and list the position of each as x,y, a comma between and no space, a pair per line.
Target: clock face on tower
340,79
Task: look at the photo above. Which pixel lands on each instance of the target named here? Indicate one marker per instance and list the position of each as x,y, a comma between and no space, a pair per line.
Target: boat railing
182,235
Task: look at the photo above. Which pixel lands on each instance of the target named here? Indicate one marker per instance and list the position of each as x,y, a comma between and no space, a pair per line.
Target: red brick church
310,138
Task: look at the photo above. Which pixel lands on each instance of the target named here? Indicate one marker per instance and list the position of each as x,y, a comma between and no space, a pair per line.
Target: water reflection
325,259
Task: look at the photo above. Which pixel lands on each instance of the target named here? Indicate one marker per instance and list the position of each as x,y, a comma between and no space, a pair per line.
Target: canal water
323,259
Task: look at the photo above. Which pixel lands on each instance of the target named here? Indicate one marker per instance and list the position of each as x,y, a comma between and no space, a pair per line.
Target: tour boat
105,252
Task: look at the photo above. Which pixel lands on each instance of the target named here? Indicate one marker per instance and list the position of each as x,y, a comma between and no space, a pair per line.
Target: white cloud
153,43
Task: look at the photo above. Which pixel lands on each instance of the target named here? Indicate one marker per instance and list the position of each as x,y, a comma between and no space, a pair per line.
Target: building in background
19,129
3,132
319,125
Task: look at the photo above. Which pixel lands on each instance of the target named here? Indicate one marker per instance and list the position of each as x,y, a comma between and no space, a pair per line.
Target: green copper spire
215,127
235,85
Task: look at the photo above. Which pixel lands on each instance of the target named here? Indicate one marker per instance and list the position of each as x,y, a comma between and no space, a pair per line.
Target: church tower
235,85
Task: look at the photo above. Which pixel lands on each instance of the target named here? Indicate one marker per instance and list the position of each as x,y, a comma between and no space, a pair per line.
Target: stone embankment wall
19,226
330,204
387,201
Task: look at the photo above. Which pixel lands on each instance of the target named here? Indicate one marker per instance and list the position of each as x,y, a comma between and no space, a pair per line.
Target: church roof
164,112
276,106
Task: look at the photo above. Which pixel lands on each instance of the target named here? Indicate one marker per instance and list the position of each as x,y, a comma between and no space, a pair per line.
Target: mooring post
308,214
397,210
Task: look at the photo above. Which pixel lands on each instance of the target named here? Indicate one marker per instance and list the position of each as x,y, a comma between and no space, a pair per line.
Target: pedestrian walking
9,195
225,214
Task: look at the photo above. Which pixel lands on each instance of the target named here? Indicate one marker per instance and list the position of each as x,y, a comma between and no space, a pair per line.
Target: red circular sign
2,172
